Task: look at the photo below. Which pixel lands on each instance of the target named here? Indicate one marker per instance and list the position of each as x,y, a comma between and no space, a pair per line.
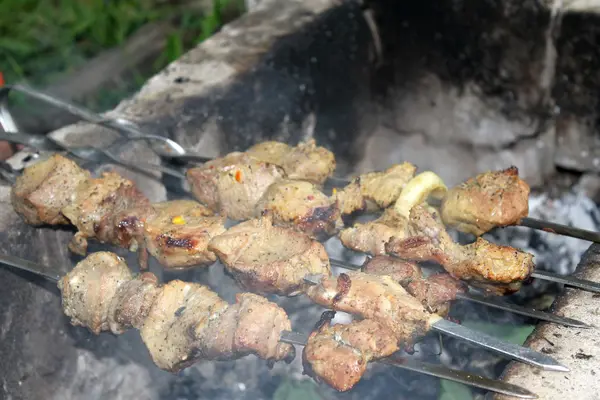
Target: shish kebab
499,198
182,323
173,150
173,250
173,244
288,255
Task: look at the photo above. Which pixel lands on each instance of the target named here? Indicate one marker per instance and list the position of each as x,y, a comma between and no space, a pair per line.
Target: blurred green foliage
516,334
42,39
297,390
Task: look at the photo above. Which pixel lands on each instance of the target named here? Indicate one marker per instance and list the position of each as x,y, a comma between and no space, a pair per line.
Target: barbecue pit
282,78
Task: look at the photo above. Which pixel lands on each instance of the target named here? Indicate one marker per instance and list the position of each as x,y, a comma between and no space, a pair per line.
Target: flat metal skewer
29,266
438,371
299,339
510,350
46,143
571,281
494,303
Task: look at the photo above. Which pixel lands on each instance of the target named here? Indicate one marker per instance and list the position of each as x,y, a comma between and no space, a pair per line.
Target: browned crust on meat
339,354
488,200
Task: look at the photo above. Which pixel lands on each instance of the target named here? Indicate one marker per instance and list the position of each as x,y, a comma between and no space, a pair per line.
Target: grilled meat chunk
350,198
496,268
379,298
339,354
301,206
233,185
88,290
97,200
189,322
45,188
268,259
371,237
434,292
168,330
131,303
306,161
489,200
401,271
124,225
381,189
179,232
253,325
179,322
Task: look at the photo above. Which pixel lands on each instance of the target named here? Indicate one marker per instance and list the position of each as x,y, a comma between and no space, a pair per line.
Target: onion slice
417,190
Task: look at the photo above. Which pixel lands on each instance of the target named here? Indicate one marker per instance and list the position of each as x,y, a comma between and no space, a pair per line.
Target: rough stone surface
576,348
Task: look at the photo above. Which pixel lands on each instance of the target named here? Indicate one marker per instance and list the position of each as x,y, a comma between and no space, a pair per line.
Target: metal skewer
494,303
88,153
300,339
510,350
169,149
438,371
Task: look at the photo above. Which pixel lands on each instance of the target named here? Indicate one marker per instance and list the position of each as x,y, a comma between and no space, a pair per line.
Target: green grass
41,40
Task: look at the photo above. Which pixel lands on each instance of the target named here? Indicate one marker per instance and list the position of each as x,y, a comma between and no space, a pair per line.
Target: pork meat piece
302,206
306,161
97,200
253,325
349,198
401,271
436,291
168,331
179,232
489,200
268,259
496,268
132,302
233,185
339,354
45,188
123,225
372,237
381,189
376,297
188,322
88,290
